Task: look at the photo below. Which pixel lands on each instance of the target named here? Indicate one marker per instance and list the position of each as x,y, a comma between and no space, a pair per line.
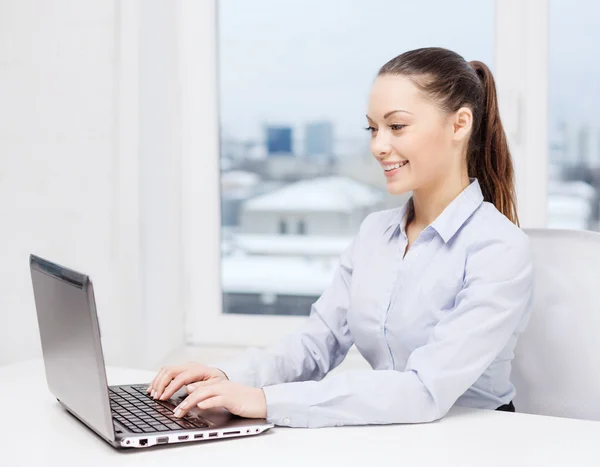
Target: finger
162,376
166,378
174,381
149,390
199,395
213,402
156,380
198,384
178,382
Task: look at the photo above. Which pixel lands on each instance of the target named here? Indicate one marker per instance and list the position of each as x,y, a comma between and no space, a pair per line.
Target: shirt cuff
285,406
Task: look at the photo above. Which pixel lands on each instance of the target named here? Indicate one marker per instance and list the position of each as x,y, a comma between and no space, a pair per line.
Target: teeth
395,166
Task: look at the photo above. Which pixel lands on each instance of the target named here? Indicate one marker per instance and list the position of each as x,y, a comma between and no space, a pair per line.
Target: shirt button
287,421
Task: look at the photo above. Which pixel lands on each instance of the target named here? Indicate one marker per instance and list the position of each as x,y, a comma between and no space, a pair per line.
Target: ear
462,123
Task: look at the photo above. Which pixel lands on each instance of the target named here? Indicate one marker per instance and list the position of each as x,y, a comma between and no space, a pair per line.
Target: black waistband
507,407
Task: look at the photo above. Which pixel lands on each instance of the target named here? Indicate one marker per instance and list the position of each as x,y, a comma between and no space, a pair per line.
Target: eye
371,129
397,127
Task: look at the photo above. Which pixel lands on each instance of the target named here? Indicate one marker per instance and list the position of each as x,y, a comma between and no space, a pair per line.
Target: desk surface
465,437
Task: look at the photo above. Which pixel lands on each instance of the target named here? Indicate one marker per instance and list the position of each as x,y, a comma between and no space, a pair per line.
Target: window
304,69
301,228
293,86
282,227
574,115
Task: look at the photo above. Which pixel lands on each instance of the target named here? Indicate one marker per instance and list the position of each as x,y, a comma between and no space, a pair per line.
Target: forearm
362,397
307,355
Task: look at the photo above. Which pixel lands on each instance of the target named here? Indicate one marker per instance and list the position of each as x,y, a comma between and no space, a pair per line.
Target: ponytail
489,158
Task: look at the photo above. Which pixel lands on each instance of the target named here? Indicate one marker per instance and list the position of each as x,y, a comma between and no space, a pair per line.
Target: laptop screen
71,346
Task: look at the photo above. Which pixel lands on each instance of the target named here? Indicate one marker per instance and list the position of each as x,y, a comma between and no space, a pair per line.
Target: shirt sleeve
496,295
320,346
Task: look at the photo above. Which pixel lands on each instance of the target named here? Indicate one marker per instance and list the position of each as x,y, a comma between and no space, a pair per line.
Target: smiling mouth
395,166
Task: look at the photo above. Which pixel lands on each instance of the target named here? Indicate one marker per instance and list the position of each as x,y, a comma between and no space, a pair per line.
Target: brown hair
453,83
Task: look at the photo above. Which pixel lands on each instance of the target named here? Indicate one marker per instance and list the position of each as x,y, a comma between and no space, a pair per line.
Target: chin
397,187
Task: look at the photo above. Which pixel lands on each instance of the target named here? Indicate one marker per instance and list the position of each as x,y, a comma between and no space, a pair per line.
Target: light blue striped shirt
438,326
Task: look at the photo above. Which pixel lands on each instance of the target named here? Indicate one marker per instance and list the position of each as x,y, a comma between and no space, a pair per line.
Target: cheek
431,151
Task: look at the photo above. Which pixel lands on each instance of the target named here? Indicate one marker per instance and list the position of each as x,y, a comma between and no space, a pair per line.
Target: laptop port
199,436
183,437
225,433
143,442
213,435
162,440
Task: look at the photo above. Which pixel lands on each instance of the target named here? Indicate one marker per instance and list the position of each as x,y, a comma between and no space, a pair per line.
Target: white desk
465,437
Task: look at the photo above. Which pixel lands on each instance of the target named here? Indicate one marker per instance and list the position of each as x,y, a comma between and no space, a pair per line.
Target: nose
380,146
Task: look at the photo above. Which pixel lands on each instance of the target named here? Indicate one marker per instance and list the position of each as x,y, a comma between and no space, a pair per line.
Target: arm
496,296
310,354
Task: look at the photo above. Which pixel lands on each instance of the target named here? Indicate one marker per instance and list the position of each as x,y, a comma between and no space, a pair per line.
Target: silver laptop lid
68,324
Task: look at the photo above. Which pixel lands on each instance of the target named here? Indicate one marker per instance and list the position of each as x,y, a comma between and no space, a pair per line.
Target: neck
430,201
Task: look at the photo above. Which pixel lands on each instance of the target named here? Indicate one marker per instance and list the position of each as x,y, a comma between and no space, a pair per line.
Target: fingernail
191,388
153,394
177,412
183,405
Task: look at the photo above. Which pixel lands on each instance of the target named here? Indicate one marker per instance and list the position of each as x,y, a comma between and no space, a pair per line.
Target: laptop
124,416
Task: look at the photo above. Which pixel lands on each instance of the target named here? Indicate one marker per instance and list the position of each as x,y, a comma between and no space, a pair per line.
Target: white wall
89,177
57,137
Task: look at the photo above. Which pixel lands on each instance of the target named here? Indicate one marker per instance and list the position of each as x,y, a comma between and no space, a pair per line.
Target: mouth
392,169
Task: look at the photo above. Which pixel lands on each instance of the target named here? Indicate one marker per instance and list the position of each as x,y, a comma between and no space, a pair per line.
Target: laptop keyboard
139,413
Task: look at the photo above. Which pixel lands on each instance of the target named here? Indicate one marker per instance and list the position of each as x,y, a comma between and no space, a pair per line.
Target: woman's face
409,129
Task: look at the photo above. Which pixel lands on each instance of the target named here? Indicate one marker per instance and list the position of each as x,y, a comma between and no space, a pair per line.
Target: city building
318,142
279,140
325,206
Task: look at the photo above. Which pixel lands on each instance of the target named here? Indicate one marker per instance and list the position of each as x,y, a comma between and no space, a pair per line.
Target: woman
433,294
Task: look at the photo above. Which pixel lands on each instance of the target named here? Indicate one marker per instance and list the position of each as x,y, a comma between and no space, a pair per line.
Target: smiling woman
432,340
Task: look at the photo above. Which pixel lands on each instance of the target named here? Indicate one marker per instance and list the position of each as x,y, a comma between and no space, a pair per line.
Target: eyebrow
392,112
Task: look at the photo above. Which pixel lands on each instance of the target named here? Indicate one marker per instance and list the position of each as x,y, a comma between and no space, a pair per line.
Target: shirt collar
452,217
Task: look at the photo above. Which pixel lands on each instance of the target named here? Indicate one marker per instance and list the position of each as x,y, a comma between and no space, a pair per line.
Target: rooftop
329,194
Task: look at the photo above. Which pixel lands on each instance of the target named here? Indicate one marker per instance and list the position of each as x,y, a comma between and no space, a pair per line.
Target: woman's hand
170,379
245,401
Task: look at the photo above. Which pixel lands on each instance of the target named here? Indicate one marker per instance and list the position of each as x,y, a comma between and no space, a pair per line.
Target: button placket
405,263
398,275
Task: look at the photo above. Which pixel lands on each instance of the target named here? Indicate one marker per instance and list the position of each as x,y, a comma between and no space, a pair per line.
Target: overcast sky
293,61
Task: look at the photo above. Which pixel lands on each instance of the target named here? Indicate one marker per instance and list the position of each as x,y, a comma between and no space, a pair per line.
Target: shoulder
490,225
492,240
